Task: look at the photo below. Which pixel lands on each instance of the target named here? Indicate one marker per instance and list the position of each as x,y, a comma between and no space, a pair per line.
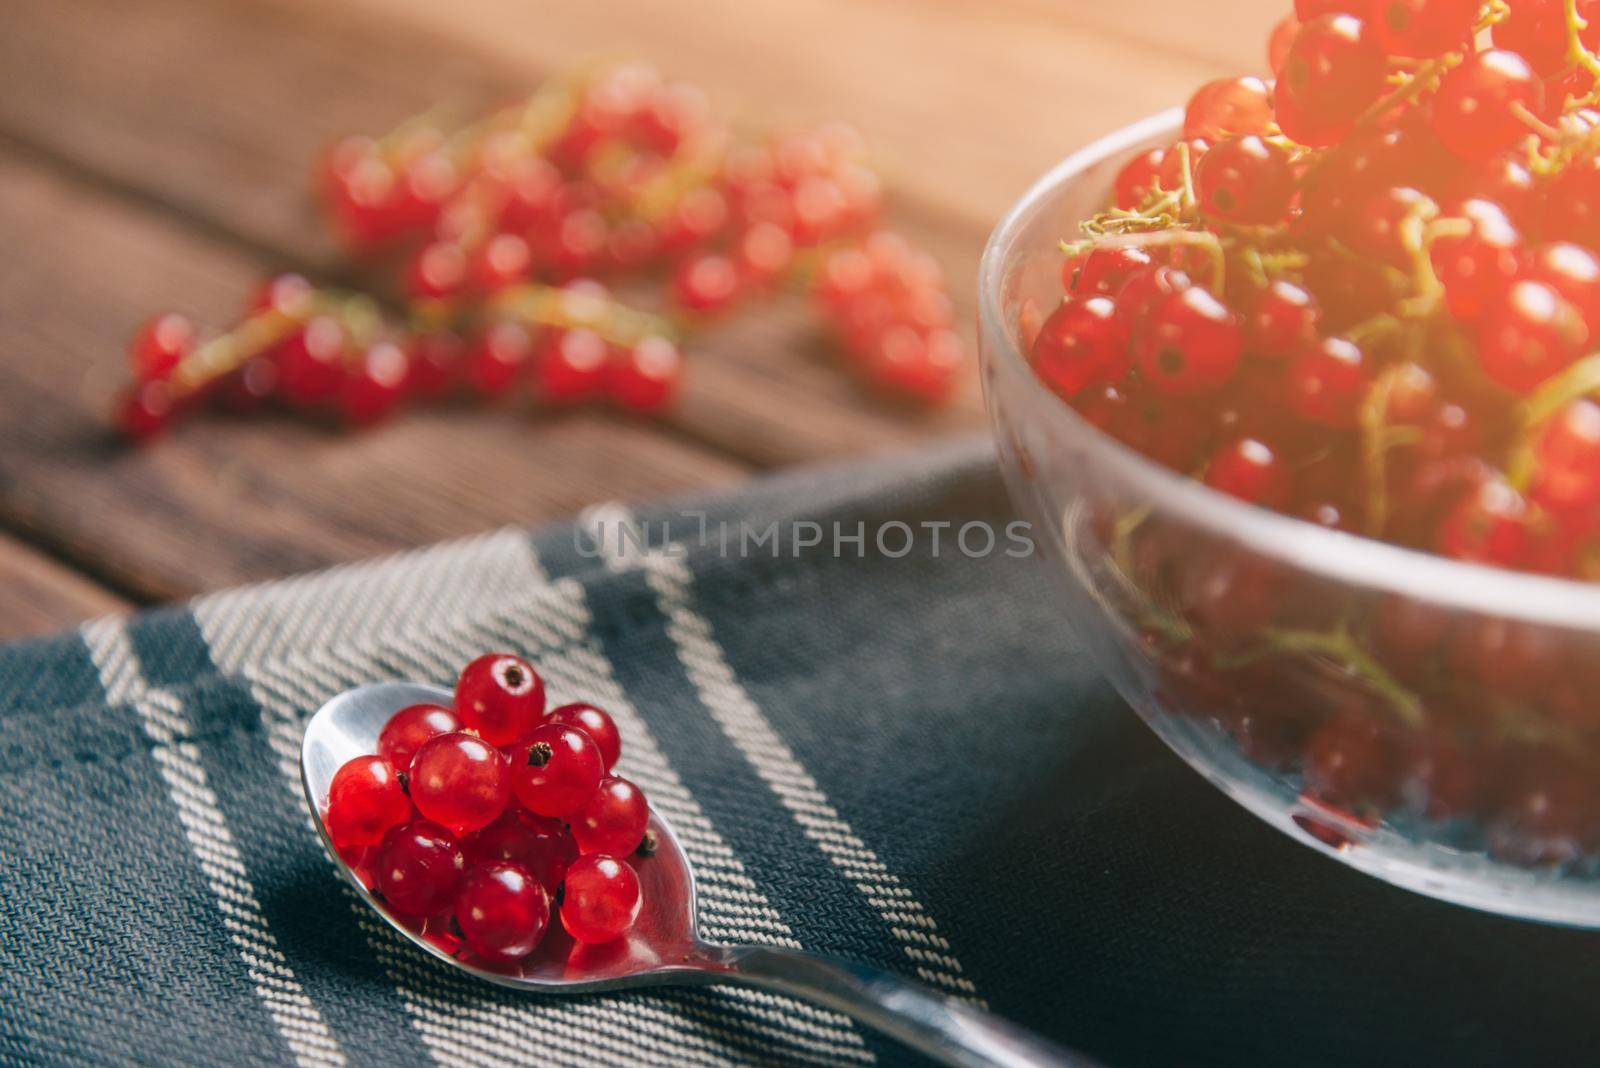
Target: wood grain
227,502
39,595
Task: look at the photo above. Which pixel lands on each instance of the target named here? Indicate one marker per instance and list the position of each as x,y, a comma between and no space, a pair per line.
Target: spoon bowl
664,947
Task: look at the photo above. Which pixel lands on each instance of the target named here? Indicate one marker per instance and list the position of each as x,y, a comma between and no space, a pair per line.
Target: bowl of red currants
1300,387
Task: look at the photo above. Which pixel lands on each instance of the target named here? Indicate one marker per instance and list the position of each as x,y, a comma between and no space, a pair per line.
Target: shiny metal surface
664,947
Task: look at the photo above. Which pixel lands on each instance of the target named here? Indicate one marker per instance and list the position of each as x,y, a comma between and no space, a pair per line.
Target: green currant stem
1576,52
1341,648
1582,379
1377,438
265,330
1151,614
551,306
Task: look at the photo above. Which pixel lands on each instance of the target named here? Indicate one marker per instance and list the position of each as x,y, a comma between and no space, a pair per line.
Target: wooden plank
224,502
218,109
39,596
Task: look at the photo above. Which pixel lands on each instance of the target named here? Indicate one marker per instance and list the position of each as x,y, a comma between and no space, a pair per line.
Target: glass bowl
1432,722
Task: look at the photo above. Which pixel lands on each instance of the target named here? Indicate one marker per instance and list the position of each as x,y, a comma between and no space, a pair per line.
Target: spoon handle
945,1029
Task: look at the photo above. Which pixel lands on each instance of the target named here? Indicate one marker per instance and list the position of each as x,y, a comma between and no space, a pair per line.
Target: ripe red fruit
612,820
647,377
1489,525
1245,180
366,798
1104,270
1282,36
1334,71
1284,319
501,697
1142,292
160,345
597,724
1475,112
1567,458
1376,229
459,780
1081,343
542,845
501,261
1537,31
1190,345
408,728
1137,177
503,911
1421,29
1571,270
145,410
375,384
498,356
1529,334
311,361
558,769
437,271
1251,471
418,867
1326,383
601,899
1229,107
1477,267
705,283
571,366
1351,766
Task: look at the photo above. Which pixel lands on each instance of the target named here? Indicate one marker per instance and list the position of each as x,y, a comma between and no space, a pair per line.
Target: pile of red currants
490,242
473,820
1367,293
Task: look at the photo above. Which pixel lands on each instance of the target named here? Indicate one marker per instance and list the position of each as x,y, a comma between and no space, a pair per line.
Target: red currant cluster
493,235
1367,293
472,820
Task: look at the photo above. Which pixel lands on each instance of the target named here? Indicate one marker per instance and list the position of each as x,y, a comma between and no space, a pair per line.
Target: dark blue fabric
1091,885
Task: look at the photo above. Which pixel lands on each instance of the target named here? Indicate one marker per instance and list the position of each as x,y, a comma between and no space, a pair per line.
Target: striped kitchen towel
850,690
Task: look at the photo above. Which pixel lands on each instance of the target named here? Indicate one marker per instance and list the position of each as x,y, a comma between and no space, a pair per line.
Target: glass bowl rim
1352,558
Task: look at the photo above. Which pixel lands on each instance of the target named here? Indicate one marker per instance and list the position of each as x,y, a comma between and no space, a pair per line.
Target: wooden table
154,154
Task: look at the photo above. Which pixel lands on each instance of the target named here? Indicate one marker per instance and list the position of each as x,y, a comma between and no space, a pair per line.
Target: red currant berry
1531,333
498,357
1489,525
558,769
612,820
503,260
764,252
366,798
1351,766
1421,29
376,384
1477,267
501,697
1278,42
1080,344
1245,180
916,365
1103,271
160,345
249,388
418,867
1190,345
1229,107
503,911
571,366
1326,383
145,410
1251,471
408,728
311,362
1306,10
705,283
1572,201
1477,111
1377,228
646,378
543,846
602,899
459,780
286,294
1537,31
1571,270
437,272
1334,71
436,363
1283,321
1504,180
597,724
1567,458
1142,292
1137,178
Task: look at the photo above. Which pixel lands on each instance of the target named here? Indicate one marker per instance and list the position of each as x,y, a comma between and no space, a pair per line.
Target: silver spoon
664,948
